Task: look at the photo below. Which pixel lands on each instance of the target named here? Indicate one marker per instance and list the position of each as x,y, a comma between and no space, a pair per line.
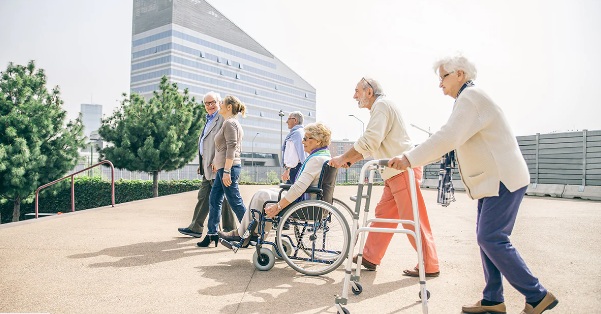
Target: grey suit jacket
208,147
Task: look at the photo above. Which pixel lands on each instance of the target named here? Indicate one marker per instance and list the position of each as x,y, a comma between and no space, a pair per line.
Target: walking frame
369,170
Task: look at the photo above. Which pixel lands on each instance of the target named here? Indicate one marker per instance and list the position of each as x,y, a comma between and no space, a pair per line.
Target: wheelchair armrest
314,189
285,186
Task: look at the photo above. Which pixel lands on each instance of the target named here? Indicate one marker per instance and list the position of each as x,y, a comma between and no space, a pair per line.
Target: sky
540,61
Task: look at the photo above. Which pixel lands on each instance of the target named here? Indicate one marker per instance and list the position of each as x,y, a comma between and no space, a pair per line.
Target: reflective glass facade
198,48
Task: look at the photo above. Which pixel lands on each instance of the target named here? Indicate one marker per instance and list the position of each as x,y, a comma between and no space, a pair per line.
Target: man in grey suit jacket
206,153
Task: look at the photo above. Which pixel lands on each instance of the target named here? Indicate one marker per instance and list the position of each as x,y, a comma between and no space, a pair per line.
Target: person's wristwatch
227,171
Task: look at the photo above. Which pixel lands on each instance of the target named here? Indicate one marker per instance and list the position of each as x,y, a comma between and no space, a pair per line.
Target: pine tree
36,147
160,134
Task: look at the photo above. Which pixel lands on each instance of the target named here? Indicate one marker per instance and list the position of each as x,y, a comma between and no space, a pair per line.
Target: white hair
368,82
215,96
298,116
455,63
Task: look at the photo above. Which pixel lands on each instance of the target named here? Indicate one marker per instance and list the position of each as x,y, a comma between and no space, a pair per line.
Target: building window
228,62
237,76
240,66
219,61
202,54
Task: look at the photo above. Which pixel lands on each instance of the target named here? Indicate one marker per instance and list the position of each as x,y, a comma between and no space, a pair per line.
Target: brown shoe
367,264
229,236
415,273
547,303
479,308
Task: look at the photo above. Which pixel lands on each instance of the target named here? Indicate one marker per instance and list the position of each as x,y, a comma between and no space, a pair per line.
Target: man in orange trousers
386,137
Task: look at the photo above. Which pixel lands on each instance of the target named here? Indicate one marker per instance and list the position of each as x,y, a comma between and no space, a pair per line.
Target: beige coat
385,136
208,147
487,150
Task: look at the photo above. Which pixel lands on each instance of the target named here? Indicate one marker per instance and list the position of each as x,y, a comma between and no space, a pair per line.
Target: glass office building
198,48
91,115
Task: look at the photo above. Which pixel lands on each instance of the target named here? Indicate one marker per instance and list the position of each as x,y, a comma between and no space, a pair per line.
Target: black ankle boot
208,239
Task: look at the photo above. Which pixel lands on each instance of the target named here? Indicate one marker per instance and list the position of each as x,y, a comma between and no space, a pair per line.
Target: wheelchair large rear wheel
319,235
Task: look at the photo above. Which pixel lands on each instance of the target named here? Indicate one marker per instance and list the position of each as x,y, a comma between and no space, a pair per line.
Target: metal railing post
37,191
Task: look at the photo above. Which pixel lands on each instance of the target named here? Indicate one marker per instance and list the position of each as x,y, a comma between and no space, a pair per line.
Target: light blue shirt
210,118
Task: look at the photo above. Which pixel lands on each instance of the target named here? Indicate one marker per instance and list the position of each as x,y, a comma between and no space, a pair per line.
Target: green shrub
92,192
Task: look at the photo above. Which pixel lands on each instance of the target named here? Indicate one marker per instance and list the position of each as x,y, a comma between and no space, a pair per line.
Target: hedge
92,192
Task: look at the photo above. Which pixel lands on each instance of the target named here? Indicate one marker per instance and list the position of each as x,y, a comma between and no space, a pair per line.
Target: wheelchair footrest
229,245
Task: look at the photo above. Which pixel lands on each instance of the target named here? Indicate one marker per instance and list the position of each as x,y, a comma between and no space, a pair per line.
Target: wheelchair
312,236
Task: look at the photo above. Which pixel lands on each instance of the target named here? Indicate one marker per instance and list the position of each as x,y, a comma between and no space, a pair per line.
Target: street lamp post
281,114
423,130
252,160
362,124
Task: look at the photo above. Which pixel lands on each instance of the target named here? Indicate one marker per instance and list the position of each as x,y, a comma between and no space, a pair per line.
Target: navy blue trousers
495,221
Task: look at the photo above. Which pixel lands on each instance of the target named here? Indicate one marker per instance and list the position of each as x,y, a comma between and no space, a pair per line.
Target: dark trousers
201,211
494,224
293,172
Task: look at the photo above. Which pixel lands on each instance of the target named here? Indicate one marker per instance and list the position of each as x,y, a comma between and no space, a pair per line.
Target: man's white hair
368,82
215,96
297,115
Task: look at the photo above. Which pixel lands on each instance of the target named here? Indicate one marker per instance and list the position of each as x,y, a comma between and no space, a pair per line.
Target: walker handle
383,162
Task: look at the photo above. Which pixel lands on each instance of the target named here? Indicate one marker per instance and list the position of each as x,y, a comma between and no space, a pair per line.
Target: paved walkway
131,259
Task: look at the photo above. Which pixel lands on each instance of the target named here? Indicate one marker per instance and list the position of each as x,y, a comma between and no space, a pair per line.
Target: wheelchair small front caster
265,260
427,294
358,289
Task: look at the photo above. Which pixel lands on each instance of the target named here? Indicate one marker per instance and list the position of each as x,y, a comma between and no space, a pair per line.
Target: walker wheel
344,311
427,293
358,290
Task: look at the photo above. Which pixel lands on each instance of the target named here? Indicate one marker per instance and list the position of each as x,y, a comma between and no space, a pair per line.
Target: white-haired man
206,153
292,149
386,137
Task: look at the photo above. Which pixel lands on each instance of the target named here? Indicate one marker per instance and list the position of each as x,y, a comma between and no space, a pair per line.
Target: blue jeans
494,224
216,198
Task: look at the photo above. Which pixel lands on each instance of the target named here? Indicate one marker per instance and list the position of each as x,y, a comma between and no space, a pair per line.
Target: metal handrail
37,192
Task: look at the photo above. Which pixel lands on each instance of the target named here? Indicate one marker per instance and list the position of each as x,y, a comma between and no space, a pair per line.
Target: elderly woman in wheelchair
312,234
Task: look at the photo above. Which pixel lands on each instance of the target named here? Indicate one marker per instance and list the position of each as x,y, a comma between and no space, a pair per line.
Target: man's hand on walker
399,162
337,162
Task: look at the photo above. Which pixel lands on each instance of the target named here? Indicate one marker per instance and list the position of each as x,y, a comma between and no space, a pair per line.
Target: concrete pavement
131,259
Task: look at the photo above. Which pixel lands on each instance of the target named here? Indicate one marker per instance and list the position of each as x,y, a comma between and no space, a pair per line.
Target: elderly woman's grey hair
298,116
454,63
215,96
375,85
320,132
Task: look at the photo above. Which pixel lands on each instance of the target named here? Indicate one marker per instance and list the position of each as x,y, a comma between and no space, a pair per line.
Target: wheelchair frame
310,232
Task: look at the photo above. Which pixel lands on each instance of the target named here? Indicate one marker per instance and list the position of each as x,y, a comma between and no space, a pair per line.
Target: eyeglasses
366,81
307,138
290,118
445,76
210,103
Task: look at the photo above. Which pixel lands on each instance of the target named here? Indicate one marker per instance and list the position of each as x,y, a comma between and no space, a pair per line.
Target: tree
36,147
160,134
